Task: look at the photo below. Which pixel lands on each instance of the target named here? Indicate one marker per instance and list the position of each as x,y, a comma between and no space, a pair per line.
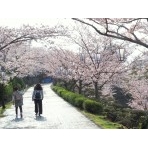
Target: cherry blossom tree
134,82
138,85
14,37
98,58
24,60
25,33
133,30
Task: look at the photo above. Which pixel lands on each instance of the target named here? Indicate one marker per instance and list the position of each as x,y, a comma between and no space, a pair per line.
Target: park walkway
57,114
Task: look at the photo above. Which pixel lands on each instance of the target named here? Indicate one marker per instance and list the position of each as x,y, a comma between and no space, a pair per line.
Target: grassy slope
103,123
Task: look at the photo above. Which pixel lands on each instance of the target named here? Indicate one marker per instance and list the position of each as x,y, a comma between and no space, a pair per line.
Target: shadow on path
17,119
40,118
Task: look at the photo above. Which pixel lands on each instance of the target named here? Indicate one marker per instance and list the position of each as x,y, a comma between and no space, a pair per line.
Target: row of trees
106,72
93,69
17,59
15,43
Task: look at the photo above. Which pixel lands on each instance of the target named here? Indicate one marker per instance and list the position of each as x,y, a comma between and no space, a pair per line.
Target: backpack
37,95
18,96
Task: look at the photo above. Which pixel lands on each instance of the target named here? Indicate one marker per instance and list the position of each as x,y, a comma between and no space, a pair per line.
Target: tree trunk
65,84
96,90
80,86
3,103
2,95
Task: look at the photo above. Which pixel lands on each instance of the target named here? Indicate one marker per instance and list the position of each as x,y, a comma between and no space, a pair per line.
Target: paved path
57,114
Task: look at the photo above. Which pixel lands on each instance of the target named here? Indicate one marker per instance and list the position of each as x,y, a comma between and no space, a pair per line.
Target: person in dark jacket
17,99
37,97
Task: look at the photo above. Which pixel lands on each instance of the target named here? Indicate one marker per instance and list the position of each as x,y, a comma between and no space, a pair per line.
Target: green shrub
79,102
144,123
8,91
137,117
65,95
69,95
119,116
138,113
126,122
71,101
60,92
92,107
54,88
109,108
112,116
18,82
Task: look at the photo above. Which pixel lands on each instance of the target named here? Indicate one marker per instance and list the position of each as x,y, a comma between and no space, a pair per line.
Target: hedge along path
57,114
79,100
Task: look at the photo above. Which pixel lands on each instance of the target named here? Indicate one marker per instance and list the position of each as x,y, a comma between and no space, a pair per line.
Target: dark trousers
38,106
16,109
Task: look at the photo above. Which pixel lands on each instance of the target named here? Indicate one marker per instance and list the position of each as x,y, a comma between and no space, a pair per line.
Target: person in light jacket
17,99
37,97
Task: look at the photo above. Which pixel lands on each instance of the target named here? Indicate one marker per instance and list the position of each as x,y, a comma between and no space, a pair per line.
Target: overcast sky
16,12
17,22
71,8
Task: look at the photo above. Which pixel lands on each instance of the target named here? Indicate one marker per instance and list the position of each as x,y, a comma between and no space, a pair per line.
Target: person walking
37,97
17,100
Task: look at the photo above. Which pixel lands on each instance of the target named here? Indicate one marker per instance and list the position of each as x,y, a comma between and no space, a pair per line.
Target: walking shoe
16,116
